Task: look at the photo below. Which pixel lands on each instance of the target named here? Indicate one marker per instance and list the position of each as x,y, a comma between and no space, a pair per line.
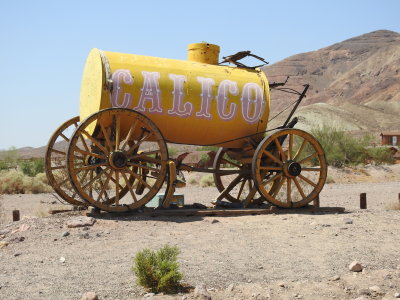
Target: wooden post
15,214
316,201
363,200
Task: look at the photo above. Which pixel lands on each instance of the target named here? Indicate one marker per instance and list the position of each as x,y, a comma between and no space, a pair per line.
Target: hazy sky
44,44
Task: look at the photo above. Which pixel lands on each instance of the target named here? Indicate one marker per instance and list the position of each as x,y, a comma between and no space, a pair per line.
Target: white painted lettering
118,77
150,92
178,95
248,100
222,99
206,97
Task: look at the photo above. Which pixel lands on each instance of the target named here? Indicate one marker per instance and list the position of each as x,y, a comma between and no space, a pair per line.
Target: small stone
214,221
248,280
375,289
17,254
397,295
66,233
282,284
200,292
3,244
149,295
81,221
98,235
230,287
85,235
364,292
335,278
90,296
62,260
260,267
355,266
348,221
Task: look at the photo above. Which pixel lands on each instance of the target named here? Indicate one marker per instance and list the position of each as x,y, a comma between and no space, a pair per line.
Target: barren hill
354,83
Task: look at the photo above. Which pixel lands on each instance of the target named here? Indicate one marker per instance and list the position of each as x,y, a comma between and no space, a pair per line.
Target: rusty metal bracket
233,59
108,84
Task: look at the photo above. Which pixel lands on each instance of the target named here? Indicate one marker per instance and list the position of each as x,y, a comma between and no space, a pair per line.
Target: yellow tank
191,102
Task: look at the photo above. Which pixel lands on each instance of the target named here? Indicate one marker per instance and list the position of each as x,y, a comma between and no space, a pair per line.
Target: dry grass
207,180
14,182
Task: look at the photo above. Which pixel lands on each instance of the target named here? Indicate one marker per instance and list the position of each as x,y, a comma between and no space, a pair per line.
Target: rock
282,284
200,292
348,221
364,292
3,244
66,233
17,254
376,289
335,278
260,267
355,266
230,287
81,221
90,296
62,260
214,221
397,295
149,295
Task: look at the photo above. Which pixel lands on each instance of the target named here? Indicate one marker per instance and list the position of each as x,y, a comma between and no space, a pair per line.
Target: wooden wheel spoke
115,181
104,185
271,156
233,183
57,167
90,167
307,180
271,168
289,190
308,158
130,132
117,132
279,186
149,159
299,188
311,169
59,184
279,146
58,151
300,150
136,146
143,155
108,142
95,141
230,162
290,149
117,185
273,178
241,189
129,187
143,166
89,153
93,179
138,177
64,137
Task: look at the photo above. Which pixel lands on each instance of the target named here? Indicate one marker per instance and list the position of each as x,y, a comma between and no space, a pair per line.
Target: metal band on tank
108,84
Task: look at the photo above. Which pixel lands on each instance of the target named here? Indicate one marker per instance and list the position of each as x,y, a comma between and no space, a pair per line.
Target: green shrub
14,182
172,151
380,155
8,158
207,148
207,180
341,148
32,167
158,271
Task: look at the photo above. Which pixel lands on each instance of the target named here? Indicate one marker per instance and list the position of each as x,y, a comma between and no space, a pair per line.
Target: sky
44,44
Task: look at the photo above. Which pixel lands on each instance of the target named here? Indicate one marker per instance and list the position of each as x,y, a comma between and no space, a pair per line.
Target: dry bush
393,206
207,180
2,212
14,182
192,180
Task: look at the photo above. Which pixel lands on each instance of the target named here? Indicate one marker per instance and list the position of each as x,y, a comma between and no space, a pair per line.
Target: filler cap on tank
203,53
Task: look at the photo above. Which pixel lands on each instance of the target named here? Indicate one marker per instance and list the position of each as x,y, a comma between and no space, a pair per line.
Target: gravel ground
277,256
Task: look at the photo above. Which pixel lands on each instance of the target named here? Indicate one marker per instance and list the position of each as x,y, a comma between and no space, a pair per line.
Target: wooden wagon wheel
289,168
238,187
55,163
117,150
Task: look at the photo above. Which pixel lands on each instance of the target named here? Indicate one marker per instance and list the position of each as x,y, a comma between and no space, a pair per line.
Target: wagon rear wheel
117,151
236,187
55,162
289,168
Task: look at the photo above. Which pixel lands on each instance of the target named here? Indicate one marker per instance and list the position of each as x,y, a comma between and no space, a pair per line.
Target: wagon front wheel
289,168
116,152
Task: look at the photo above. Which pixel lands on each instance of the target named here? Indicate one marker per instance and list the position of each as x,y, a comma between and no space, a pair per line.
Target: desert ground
285,255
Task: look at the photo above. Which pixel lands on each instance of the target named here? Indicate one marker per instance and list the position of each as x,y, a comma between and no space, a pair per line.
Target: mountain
354,84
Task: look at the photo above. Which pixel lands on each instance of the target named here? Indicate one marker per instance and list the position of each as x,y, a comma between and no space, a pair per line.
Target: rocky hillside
355,84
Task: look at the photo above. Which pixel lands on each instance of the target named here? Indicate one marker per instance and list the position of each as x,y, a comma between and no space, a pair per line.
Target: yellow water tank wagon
193,102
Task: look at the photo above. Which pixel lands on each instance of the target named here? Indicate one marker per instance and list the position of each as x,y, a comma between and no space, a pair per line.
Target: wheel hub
118,159
292,169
